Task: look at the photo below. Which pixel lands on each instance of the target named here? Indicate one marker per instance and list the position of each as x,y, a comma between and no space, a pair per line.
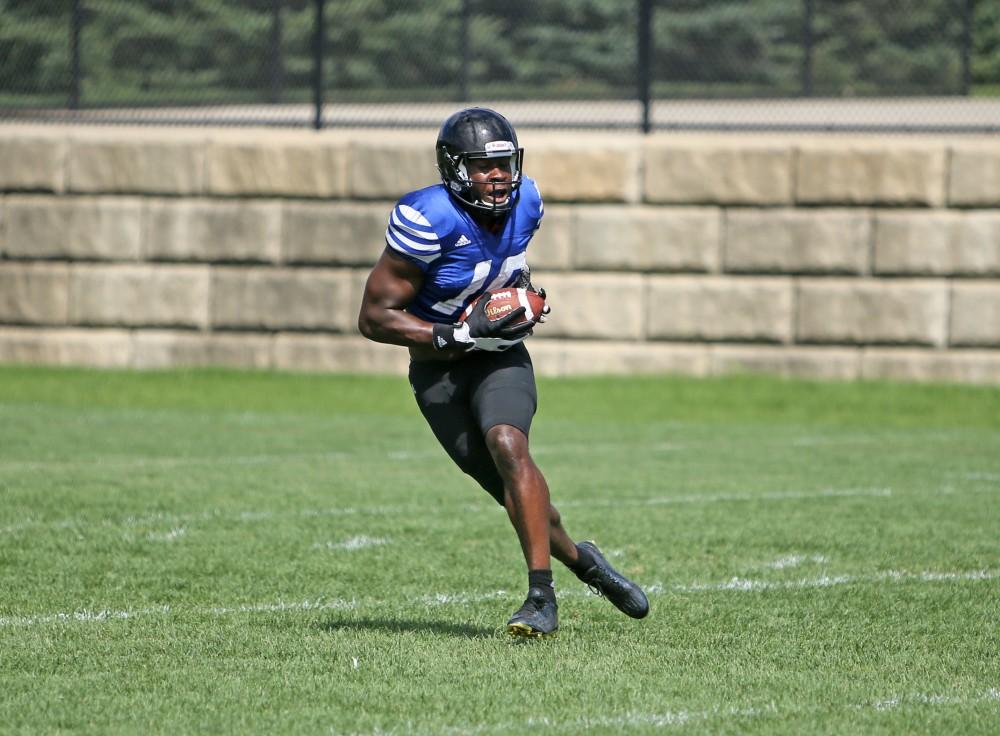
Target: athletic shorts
461,400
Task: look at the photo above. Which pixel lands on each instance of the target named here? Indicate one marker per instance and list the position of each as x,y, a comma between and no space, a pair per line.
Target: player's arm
391,286
394,283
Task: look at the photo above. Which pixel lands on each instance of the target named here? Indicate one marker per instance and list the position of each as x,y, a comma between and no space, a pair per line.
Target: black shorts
461,400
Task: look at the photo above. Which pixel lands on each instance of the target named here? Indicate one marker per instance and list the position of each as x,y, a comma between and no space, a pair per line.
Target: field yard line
898,701
361,541
132,462
247,516
981,476
106,614
251,516
319,604
683,717
723,497
464,597
665,719
787,561
825,581
431,452
739,585
82,616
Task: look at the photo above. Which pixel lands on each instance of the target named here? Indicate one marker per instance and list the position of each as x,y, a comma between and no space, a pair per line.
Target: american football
504,301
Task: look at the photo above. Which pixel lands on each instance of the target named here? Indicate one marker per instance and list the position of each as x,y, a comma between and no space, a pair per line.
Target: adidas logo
441,342
462,241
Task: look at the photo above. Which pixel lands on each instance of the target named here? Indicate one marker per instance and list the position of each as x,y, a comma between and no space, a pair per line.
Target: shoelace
612,581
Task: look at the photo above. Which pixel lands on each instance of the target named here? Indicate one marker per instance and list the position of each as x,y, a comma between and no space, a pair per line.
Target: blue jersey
460,260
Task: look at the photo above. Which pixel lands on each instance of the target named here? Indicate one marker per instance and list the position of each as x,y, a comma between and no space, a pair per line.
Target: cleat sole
523,631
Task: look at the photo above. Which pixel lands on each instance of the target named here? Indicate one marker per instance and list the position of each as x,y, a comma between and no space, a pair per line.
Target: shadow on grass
400,626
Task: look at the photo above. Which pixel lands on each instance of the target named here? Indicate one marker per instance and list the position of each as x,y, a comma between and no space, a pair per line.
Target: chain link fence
902,65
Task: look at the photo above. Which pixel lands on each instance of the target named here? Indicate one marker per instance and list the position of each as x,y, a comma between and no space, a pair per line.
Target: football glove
477,332
524,282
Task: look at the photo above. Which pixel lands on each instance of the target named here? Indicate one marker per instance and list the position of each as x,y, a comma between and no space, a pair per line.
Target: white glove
458,335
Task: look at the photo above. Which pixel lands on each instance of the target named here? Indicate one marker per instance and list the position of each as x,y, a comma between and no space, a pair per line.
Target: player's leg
503,398
527,504
560,543
526,495
442,393
526,498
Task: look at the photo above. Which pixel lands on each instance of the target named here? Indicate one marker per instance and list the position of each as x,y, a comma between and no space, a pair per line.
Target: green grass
228,552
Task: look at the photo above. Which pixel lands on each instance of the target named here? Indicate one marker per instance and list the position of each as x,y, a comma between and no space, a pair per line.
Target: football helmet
476,133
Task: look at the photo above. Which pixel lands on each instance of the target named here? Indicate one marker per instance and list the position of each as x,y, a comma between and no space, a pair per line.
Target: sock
584,561
542,579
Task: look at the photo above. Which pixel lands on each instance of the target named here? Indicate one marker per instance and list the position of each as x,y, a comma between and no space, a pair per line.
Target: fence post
968,18
808,45
319,52
76,69
465,50
277,65
645,32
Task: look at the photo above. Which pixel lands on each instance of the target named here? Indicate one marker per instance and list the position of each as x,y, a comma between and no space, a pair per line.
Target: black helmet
477,132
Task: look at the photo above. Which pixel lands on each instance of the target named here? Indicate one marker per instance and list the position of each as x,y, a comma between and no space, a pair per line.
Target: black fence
648,64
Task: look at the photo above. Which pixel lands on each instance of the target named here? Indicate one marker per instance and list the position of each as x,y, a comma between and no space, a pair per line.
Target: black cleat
537,618
604,580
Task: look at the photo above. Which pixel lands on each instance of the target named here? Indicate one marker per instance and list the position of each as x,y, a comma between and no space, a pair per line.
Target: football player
446,245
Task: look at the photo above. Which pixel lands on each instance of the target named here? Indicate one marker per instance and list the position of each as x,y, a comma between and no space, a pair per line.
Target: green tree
211,51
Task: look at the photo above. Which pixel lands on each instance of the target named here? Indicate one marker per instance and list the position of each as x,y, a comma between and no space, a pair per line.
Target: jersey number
482,270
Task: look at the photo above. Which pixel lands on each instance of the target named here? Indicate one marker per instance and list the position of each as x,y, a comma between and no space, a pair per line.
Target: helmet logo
497,146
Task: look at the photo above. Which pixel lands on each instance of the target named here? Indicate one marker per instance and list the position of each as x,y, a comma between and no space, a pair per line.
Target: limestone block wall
823,256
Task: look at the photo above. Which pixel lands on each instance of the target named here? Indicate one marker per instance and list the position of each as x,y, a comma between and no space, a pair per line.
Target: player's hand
546,309
497,344
477,332
480,326
524,282
495,335
446,337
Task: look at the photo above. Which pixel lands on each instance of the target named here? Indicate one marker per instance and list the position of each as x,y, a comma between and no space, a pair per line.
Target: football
504,301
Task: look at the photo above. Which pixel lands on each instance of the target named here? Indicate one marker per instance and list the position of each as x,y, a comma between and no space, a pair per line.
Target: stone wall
825,256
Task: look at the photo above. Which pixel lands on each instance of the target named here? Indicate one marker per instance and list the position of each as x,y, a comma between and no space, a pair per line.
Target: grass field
226,552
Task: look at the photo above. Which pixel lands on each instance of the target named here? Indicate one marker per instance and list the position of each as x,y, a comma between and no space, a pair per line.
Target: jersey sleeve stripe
408,219
414,257
398,240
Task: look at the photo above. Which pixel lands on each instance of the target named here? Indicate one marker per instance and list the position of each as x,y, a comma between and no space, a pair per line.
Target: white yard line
169,536
317,604
133,462
664,719
787,561
85,616
735,497
361,541
981,476
106,614
739,585
251,516
680,718
433,452
748,585
900,701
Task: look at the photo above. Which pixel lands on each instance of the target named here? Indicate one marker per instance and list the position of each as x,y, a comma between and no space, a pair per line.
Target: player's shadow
400,626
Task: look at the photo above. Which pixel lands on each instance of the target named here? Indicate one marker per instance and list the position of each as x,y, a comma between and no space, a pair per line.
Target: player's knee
554,518
507,444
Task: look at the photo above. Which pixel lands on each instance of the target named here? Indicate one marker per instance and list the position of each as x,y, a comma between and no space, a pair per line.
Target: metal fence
904,65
